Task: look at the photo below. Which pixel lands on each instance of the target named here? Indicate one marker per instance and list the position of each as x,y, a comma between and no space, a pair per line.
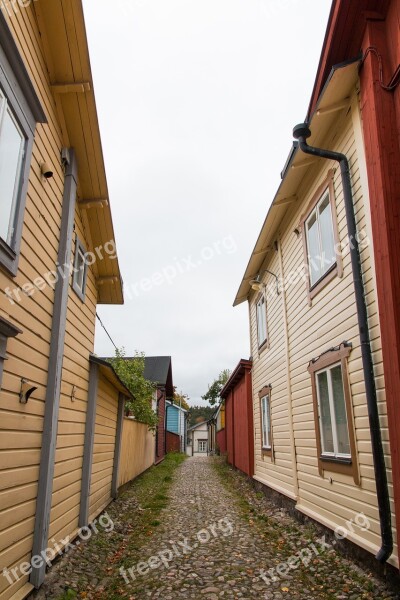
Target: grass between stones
328,576
136,515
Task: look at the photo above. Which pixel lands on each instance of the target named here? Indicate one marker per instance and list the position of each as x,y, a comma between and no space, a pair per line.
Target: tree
214,390
198,414
131,373
180,399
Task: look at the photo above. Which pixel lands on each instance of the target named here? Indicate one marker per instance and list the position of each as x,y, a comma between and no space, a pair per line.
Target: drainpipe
302,133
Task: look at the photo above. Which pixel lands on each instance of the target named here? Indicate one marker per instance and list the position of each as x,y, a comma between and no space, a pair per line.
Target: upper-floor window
320,239
80,270
261,309
20,110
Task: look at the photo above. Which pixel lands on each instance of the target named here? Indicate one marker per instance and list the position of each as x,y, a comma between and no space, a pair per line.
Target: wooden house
60,407
237,398
197,440
176,427
321,430
158,369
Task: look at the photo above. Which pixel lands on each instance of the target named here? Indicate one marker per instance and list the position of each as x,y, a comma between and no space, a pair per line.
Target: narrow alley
217,537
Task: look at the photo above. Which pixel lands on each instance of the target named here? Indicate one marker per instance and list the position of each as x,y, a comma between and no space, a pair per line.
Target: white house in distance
197,442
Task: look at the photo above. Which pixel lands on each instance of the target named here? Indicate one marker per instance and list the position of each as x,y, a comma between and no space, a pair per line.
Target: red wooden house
238,437
159,370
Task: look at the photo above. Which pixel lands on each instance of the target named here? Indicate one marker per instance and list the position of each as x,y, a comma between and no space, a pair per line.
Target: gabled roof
242,367
337,90
197,425
158,369
169,403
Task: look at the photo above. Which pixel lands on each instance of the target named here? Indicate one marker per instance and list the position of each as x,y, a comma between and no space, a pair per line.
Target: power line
103,326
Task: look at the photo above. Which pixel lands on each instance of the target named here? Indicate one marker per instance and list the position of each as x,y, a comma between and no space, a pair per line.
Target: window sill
264,346
336,459
8,259
266,451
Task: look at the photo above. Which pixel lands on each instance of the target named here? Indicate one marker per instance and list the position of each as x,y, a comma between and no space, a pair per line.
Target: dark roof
156,368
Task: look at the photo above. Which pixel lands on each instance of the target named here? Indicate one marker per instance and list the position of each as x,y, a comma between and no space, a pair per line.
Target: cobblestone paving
219,540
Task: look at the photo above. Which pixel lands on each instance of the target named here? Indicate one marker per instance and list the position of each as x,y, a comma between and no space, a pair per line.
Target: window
202,446
80,270
261,321
20,110
266,425
333,413
321,238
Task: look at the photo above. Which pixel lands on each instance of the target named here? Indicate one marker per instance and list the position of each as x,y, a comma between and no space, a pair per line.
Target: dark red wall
221,441
381,124
239,419
173,442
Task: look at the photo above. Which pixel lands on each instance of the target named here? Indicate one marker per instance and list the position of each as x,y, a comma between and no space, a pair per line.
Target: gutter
302,133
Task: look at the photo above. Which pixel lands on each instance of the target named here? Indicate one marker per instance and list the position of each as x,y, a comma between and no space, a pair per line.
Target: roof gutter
302,133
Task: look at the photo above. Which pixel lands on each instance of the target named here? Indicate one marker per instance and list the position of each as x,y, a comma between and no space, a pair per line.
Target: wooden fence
137,450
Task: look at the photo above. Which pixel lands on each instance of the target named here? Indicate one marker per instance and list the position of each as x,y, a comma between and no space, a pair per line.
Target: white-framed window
320,238
80,270
333,419
202,446
266,422
12,147
261,309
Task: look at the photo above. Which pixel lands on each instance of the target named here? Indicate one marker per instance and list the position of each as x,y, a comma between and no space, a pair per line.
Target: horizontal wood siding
104,446
137,450
21,425
330,320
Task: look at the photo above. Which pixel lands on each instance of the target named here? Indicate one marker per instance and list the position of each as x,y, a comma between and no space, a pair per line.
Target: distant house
159,370
197,439
176,429
220,434
237,436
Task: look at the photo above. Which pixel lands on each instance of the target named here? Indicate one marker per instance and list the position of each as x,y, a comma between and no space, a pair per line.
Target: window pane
313,249
327,236
261,322
340,411
266,424
11,150
325,413
80,274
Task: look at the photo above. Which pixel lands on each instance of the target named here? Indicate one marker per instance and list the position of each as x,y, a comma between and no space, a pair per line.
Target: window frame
79,249
265,343
26,109
265,392
346,465
202,441
7,330
336,269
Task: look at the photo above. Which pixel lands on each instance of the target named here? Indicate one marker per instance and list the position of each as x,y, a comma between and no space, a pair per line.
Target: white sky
197,100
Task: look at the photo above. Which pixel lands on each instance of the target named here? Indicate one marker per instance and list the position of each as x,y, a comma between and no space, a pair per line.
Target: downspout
302,133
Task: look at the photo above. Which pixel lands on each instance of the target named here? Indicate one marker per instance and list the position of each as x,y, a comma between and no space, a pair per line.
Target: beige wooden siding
330,320
104,446
21,425
137,450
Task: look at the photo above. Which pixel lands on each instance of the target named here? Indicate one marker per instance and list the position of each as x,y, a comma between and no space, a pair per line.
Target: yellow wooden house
61,408
313,442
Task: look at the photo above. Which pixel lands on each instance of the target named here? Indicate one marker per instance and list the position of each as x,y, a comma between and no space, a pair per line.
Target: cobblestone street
218,538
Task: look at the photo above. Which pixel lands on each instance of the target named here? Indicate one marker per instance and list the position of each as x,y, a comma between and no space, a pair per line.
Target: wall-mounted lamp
257,285
26,391
46,170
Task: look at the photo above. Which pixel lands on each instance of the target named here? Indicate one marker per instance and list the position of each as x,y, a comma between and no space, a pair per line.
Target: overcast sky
197,100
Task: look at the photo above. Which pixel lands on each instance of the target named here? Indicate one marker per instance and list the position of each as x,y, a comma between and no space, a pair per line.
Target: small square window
261,321
80,270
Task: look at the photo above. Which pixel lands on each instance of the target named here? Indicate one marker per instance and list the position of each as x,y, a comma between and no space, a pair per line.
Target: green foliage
180,399
131,373
214,390
198,414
